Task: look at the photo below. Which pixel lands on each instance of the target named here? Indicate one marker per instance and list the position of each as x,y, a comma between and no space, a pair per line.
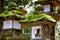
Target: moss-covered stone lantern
41,26
11,28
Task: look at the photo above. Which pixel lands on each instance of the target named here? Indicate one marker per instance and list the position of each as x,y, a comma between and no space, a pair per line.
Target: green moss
11,13
31,17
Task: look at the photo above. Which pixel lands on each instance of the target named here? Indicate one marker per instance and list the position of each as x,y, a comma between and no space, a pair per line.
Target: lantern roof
32,18
44,2
13,14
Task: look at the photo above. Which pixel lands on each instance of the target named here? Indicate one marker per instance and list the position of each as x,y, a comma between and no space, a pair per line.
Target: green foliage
12,5
27,32
11,11
57,30
27,29
18,2
24,2
4,14
27,36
